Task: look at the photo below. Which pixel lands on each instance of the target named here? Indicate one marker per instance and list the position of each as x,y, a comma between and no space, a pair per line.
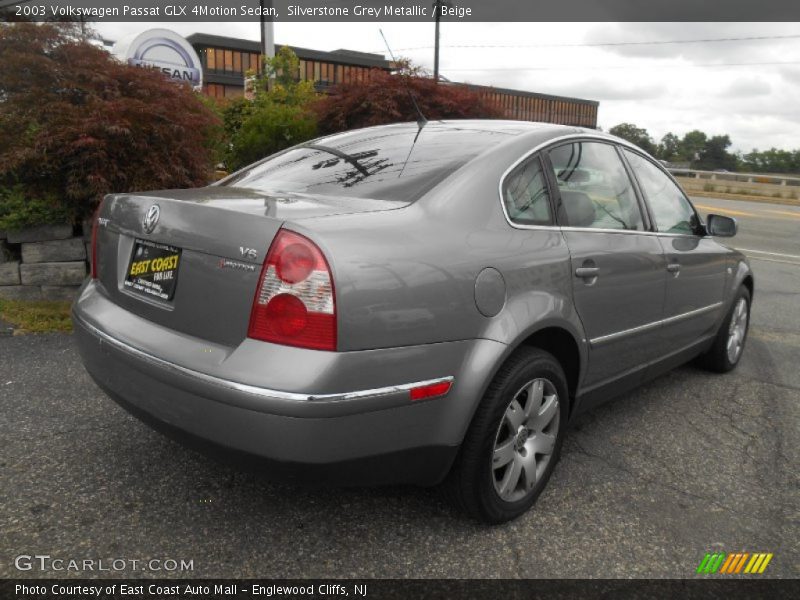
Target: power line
624,67
613,44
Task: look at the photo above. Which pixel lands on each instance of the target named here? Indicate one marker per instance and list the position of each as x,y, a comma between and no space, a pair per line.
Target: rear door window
594,186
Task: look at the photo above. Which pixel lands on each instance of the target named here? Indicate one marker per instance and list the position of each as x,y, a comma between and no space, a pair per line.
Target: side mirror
721,226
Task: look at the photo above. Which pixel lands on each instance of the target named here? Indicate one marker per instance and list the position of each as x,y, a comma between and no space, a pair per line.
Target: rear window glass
526,196
393,163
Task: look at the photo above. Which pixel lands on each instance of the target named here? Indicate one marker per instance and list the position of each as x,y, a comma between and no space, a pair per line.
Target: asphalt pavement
690,463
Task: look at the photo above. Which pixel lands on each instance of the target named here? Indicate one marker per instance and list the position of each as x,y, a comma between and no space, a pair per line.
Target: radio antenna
421,121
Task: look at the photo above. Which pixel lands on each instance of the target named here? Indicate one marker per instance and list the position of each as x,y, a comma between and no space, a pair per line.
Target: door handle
586,272
674,267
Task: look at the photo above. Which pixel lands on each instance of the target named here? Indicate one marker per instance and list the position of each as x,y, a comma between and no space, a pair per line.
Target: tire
480,482
719,359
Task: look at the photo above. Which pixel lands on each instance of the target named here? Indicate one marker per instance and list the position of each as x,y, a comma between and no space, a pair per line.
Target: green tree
670,148
693,146
716,155
635,135
772,161
278,117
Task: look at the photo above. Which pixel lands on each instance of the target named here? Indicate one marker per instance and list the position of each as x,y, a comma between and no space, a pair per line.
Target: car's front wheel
514,440
728,346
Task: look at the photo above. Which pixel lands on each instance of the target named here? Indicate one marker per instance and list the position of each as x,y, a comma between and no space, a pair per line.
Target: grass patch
37,316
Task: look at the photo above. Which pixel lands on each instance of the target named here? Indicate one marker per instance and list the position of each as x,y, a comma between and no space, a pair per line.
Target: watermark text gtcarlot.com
47,563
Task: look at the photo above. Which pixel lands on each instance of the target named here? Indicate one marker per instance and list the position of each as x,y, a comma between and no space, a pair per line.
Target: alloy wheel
525,440
737,331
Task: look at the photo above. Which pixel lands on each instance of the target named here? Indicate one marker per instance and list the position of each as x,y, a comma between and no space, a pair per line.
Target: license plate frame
152,270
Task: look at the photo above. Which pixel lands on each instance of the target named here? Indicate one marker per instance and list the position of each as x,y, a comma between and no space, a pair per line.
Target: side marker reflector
433,390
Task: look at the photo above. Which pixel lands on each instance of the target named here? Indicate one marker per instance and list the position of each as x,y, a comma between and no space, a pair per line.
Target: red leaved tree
384,98
76,124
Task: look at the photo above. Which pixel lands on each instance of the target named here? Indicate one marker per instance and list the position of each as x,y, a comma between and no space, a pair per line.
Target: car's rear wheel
514,440
728,346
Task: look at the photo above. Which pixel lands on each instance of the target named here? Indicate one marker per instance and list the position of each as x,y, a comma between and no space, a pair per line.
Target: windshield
389,163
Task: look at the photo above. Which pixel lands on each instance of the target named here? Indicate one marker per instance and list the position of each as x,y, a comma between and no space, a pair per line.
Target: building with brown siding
226,60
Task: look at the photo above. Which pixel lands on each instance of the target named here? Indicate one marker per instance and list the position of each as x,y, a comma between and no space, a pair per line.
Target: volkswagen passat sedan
407,304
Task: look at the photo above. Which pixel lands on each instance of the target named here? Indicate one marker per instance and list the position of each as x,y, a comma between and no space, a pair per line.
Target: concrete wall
42,263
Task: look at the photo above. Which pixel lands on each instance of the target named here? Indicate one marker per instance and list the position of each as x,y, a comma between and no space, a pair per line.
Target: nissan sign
162,50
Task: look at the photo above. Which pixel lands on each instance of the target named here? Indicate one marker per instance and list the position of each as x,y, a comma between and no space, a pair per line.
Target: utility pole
267,32
436,6
437,10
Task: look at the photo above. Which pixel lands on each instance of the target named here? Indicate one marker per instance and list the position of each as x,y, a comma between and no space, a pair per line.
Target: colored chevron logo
734,564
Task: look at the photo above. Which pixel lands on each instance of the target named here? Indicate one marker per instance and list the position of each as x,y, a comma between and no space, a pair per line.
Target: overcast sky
665,87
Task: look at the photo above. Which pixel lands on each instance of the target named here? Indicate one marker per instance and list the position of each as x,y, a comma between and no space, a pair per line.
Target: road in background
766,231
691,463
769,234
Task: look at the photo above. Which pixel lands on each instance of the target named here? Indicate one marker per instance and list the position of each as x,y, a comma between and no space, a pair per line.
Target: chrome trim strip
647,326
633,231
643,366
255,390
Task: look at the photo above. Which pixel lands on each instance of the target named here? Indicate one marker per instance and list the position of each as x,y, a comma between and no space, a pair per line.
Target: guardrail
749,186
725,176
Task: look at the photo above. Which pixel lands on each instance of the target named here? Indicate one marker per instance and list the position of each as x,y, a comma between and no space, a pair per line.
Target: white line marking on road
797,256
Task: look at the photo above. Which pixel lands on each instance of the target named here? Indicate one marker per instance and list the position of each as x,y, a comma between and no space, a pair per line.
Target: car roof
512,127
508,126
536,132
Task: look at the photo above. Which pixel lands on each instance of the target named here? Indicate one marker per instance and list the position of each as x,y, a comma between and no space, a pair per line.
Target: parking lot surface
690,463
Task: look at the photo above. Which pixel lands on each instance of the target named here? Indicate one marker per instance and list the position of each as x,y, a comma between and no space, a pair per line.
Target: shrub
17,211
278,117
384,98
77,124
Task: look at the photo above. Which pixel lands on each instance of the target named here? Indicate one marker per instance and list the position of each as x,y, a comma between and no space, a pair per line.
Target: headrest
577,209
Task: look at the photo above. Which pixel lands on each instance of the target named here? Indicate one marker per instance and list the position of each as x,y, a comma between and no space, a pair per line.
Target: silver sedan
409,304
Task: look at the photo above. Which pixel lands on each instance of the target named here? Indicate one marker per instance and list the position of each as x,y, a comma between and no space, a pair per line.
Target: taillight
95,220
294,303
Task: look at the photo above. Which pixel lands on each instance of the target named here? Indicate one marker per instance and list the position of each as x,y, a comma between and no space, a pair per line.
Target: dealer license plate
153,269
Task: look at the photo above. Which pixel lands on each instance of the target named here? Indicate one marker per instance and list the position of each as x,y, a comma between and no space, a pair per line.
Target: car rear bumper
337,431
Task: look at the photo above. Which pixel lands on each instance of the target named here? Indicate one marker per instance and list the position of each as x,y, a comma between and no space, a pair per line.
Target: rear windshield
384,163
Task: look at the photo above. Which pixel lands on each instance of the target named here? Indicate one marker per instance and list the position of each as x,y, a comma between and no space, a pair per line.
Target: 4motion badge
225,263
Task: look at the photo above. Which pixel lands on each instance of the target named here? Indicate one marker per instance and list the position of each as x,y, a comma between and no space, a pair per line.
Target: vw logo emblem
151,218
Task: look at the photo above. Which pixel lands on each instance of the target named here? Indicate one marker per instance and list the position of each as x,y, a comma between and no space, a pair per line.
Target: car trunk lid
221,236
